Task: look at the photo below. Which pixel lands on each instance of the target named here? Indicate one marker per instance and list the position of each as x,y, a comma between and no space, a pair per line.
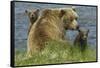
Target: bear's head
83,33
69,17
33,15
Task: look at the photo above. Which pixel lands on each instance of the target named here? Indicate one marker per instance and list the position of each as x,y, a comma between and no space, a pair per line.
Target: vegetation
56,52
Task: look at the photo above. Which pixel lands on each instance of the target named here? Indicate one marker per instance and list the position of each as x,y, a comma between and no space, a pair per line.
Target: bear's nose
32,15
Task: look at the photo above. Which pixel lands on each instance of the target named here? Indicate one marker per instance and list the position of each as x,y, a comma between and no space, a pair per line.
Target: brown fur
50,26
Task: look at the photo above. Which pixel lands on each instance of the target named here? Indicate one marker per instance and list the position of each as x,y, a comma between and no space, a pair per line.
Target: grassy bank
56,52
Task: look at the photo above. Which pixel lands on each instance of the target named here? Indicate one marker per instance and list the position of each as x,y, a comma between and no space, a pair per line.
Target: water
87,19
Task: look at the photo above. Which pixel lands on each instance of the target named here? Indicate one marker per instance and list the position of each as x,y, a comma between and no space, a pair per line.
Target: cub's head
69,17
33,15
83,33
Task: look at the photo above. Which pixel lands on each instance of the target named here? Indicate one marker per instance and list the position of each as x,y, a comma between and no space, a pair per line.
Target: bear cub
81,39
33,16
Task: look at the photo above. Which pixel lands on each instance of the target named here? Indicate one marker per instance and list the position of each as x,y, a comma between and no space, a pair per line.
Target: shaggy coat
50,25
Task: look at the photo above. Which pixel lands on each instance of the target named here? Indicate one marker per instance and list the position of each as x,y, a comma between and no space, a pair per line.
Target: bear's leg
31,51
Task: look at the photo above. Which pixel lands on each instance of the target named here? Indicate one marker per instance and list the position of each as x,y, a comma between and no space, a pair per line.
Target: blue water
87,19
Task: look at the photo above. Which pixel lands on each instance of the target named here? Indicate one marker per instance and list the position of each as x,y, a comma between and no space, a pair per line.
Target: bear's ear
37,10
73,8
62,12
27,12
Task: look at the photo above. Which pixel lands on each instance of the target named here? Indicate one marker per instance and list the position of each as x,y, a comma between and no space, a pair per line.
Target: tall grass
56,52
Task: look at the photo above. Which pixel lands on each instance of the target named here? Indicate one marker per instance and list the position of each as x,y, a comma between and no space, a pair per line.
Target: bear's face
70,18
83,34
33,15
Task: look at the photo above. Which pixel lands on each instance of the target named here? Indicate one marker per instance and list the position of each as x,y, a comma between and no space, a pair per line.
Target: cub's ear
62,12
37,10
27,12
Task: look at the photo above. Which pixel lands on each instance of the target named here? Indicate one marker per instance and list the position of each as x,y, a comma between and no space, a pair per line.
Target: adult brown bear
50,26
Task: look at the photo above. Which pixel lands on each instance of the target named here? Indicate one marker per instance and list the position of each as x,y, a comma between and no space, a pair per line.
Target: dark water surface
87,19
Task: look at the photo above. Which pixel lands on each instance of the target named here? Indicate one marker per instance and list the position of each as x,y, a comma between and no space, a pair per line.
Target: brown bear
33,16
50,26
81,39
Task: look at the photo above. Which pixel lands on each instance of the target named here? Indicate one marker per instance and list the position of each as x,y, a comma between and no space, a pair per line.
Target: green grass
55,52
